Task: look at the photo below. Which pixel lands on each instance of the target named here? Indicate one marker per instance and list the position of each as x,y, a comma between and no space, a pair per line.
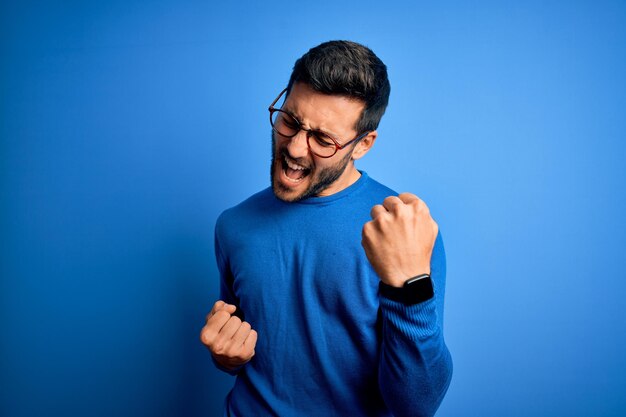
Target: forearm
231,346
415,365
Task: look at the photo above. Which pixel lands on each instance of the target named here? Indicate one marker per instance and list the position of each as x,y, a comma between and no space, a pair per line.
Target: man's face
297,173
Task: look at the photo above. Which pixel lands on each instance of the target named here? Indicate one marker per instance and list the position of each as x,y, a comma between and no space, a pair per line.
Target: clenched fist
399,239
230,340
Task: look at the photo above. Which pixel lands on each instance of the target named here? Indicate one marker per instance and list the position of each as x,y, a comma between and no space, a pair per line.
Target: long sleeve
415,366
226,291
226,277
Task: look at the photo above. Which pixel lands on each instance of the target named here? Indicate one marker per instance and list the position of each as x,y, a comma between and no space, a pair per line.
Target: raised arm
415,367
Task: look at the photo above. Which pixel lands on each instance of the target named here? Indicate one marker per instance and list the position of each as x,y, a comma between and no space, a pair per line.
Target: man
332,285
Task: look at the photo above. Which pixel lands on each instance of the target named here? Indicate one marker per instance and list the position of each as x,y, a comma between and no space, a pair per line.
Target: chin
285,195
285,192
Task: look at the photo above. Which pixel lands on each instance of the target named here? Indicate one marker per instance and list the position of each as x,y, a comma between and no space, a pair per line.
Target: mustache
300,161
282,153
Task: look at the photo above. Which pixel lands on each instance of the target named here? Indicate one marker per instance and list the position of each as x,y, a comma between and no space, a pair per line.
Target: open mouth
294,172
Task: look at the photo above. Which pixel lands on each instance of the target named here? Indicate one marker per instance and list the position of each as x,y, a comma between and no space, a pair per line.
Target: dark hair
348,69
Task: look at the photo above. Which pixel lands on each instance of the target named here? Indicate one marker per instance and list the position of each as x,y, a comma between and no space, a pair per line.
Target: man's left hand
399,239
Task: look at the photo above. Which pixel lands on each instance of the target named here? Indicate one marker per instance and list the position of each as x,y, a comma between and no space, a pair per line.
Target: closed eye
323,139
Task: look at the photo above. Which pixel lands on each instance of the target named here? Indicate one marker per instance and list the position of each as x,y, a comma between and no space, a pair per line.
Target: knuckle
219,348
407,196
234,320
391,202
205,337
251,339
221,315
382,226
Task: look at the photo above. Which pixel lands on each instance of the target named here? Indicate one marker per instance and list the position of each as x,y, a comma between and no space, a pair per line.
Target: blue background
127,127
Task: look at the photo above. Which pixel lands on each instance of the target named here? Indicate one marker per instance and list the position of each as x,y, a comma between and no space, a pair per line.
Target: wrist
414,290
399,278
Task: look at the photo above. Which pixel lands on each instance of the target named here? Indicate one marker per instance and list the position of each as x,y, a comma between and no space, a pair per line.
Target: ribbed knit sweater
328,343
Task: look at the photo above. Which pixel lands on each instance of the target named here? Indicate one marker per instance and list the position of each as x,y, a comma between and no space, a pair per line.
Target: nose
297,146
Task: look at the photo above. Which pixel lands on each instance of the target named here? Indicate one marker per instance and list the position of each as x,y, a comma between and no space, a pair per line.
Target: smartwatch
415,290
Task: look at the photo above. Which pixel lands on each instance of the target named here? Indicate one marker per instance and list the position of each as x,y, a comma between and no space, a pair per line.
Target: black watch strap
415,290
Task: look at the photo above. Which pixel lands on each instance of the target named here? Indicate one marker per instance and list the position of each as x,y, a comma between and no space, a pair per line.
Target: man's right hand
230,340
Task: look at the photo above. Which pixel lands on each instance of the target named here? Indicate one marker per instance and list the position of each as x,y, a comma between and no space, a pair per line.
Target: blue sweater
328,343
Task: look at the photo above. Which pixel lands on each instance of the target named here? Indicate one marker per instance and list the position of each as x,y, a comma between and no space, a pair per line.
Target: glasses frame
309,132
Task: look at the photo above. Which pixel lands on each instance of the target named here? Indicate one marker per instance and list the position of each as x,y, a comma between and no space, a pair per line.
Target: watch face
417,278
418,289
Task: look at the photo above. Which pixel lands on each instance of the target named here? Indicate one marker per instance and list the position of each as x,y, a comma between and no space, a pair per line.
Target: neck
350,176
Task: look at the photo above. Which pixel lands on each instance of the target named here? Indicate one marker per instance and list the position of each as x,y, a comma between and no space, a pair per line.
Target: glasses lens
321,144
284,124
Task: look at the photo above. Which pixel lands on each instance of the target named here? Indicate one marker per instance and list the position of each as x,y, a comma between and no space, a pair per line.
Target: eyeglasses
322,145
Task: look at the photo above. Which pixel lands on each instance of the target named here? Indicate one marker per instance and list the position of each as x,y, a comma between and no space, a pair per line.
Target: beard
319,179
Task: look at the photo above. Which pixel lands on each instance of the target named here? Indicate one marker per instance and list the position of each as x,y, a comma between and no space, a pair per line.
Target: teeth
294,166
299,180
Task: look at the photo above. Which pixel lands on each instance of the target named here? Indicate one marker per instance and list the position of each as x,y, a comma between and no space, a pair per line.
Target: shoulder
377,189
248,209
373,192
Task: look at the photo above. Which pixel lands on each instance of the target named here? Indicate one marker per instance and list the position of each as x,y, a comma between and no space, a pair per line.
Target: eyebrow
299,119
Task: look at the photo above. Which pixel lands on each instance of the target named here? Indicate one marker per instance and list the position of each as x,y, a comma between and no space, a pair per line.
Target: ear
364,145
